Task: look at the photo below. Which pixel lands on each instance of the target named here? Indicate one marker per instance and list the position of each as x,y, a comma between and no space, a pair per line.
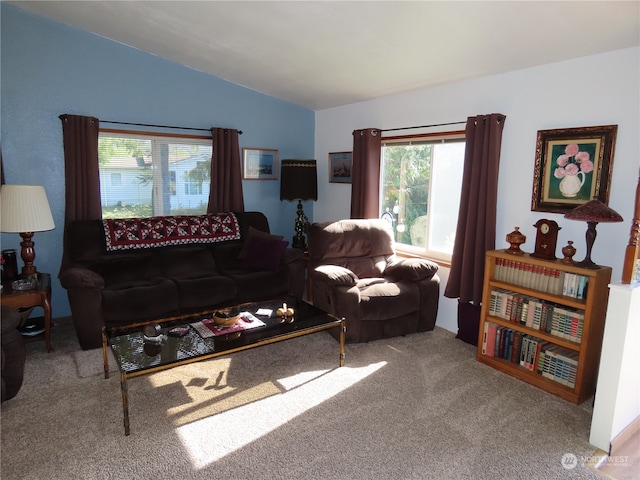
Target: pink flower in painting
562,160
572,162
586,166
582,156
571,169
571,149
559,173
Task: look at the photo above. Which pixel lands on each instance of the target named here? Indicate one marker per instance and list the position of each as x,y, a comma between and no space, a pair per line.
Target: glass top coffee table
136,355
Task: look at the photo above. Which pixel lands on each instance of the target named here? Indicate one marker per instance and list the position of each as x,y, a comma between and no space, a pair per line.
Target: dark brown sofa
357,275
13,352
122,287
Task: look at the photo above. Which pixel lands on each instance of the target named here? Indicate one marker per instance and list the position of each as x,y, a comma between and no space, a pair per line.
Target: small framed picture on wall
259,164
340,167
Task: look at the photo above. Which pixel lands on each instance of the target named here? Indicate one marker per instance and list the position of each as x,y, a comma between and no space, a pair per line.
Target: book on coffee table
207,328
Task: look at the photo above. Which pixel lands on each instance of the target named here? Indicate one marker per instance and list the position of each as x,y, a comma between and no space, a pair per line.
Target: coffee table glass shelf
136,357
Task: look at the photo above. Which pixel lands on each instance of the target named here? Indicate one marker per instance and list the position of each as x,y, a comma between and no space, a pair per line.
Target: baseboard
629,431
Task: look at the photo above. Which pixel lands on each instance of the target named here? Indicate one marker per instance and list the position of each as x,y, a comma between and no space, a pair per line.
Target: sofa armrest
411,269
291,255
332,275
76,277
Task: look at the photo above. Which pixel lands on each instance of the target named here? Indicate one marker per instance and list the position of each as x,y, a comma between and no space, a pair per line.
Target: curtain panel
82,177
225,193
476,228
365,173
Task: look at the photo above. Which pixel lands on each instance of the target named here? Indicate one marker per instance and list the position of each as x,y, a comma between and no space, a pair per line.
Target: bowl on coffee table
226,317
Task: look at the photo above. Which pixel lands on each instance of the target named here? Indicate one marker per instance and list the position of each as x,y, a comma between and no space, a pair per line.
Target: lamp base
299,240
587,263
28,255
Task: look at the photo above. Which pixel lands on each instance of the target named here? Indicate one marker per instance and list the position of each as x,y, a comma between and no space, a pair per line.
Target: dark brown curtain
225,193
365,173
476,230
82,178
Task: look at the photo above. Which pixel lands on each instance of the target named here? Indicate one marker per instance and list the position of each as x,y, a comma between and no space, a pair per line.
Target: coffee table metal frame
263,336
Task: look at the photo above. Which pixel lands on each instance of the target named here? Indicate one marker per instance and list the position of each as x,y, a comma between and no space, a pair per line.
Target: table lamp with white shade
24,209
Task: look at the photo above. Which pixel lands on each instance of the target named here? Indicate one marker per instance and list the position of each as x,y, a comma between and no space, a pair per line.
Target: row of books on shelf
558,320
542,278
544,358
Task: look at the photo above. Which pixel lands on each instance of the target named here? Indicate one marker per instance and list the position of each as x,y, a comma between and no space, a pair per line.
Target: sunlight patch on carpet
238,427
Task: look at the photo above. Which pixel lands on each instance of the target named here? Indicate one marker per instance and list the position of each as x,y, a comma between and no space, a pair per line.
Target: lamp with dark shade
299,181
592,212
24,209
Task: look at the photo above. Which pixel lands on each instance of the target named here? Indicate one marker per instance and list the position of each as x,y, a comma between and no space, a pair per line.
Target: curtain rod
160,126
422,126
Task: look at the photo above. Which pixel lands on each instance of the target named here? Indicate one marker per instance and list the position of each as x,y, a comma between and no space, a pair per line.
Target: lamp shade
298,180
594,211
24,208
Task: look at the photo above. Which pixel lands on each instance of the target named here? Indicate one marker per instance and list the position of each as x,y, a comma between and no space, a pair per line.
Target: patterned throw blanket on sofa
139,233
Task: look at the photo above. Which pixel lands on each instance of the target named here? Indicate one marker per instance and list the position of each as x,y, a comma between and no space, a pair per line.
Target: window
420,189
143,174
116,179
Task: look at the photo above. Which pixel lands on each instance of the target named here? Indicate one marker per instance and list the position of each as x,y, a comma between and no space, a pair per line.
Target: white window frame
157,138
440,137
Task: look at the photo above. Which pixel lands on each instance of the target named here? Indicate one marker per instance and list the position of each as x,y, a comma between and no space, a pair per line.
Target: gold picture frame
572,166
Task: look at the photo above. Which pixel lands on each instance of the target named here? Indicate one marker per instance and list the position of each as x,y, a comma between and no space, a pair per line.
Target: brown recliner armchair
357,275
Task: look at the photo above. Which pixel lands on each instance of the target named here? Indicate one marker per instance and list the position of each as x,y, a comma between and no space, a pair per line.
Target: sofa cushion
200,293
127,272
260,284
251,234
187,262
146,299
265,253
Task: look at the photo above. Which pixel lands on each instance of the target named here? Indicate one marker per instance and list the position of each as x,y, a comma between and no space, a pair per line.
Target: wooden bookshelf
536,283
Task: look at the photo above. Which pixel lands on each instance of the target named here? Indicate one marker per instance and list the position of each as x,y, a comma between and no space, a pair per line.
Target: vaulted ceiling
322,54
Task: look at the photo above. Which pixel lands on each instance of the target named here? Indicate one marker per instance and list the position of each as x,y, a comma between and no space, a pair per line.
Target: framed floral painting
573,166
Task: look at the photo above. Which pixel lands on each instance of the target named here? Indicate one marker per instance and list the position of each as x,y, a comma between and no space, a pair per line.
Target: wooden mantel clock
546,239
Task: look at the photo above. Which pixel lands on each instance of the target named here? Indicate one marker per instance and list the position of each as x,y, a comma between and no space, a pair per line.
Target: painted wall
596,90
48,69
617,400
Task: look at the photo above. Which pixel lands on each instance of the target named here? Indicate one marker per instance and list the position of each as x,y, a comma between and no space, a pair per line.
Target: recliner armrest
334,275
411,269
76,277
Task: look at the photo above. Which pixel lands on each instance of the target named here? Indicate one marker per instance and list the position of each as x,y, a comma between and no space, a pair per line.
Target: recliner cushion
382,300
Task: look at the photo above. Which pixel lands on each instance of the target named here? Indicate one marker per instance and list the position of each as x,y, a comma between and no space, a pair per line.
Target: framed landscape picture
259,164
340,167
573,166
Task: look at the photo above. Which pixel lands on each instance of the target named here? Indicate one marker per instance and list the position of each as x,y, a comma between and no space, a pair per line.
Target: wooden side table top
40,296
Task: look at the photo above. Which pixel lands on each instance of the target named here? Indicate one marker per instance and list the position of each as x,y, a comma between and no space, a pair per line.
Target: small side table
38,297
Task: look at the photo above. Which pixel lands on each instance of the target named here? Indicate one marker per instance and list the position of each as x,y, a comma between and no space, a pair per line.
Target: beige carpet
415,407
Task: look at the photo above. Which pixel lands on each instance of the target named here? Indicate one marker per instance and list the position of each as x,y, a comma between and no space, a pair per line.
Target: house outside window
159,174
116,179
420,187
